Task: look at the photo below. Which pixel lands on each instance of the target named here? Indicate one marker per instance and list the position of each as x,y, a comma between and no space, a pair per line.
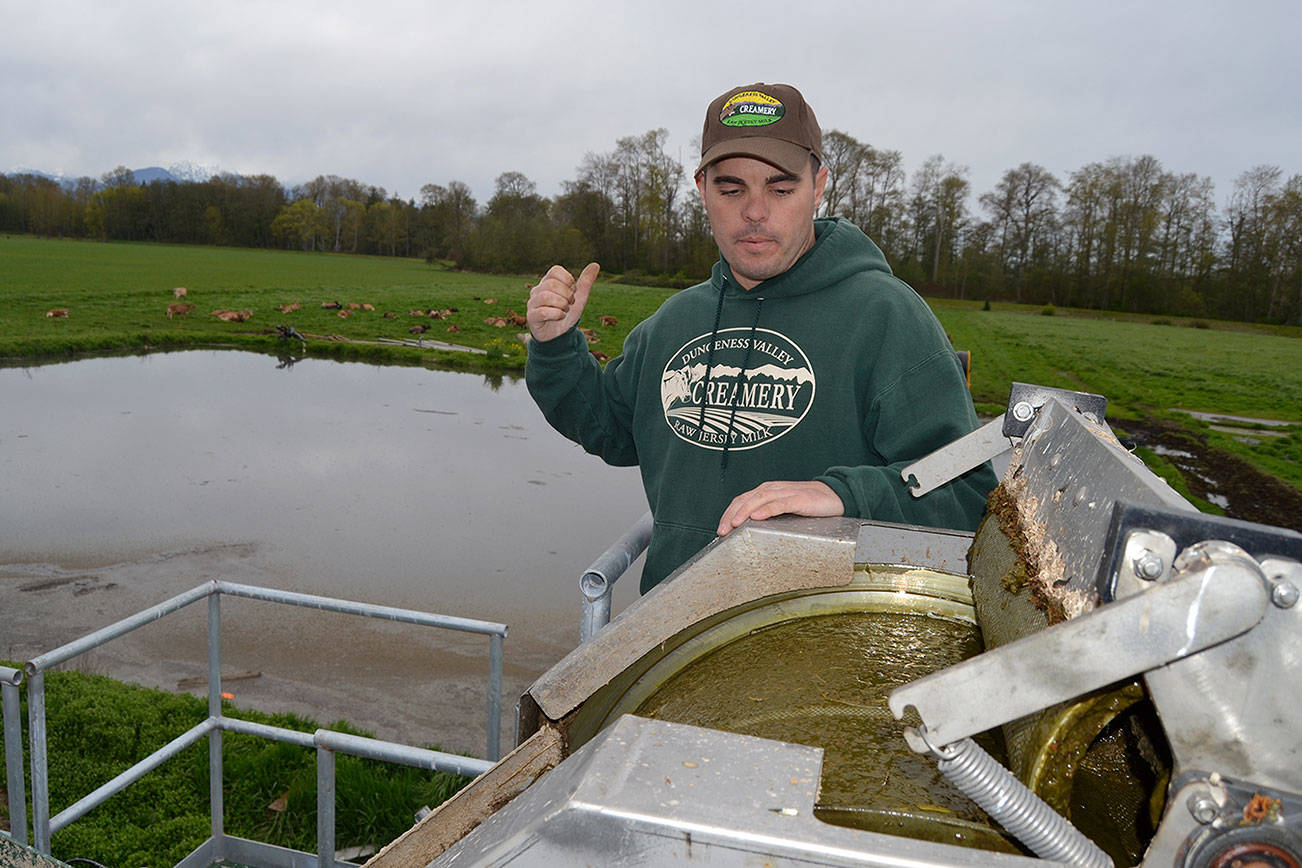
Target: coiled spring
1010,803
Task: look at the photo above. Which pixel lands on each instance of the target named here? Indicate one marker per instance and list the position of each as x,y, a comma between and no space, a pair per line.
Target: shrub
1048,310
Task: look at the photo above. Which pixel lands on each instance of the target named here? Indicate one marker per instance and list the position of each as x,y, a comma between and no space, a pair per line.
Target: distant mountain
181,173
152,174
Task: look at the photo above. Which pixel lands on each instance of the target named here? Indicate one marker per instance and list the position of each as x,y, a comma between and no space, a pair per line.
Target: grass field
117,297
97,727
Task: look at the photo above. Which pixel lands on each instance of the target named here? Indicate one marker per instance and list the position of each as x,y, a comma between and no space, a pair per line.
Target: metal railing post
43,825
10,679
325,807
598,582
216,801
40,768
494,750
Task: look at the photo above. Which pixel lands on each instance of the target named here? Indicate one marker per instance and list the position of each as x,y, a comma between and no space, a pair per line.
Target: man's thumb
583,286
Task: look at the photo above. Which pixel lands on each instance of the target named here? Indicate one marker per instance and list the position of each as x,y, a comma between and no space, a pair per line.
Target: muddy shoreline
401,682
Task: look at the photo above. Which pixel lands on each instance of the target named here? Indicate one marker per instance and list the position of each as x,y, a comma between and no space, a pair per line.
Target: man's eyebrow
779,178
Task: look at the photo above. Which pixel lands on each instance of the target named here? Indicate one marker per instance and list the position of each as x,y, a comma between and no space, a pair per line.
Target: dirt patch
1220,477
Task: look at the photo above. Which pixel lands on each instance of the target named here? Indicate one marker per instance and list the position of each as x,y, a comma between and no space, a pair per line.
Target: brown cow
232,315
179,292
609,321
58,312
179,310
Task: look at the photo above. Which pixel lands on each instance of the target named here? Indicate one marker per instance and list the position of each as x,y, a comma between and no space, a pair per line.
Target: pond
126,480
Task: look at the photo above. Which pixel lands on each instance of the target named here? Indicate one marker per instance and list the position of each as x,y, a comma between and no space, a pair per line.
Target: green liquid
823,681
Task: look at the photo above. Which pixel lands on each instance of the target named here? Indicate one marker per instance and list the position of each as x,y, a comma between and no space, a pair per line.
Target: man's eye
783,191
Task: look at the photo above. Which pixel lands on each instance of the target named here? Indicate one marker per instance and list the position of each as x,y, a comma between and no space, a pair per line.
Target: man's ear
700,183
820,182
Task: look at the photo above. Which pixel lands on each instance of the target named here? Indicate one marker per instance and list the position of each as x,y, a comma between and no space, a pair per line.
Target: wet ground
1220,477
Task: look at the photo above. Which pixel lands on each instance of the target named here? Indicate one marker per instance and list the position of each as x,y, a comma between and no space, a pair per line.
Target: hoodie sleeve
924,409
582,401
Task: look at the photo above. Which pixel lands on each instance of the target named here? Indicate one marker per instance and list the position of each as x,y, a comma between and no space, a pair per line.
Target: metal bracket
1024,400
1184,529
1211,601
953,460
995,438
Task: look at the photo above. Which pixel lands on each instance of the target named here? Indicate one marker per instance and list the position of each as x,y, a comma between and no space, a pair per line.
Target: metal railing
10,679
598,583
326,743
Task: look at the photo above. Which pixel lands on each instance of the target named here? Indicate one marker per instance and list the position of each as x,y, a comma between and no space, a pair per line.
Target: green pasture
117,296
97,727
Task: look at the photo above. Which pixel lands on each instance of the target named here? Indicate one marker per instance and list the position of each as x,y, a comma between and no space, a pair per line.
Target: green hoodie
834,370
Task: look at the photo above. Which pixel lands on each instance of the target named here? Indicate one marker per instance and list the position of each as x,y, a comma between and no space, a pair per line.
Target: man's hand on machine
780,498
556,302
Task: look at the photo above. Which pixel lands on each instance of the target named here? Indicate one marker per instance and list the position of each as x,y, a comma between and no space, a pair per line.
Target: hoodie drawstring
745,364
709,366
709,358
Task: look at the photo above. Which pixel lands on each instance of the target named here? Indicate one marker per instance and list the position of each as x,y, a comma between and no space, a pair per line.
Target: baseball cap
770,122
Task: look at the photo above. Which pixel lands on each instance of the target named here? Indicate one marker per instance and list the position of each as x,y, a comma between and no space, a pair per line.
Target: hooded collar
840,248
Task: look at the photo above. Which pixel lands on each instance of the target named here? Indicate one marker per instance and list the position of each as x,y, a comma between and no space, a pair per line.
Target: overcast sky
400,94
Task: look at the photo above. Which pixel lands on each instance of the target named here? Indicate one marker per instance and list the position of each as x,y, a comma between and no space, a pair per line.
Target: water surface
403,486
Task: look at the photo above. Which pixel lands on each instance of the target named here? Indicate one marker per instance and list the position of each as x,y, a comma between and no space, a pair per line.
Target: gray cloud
399,94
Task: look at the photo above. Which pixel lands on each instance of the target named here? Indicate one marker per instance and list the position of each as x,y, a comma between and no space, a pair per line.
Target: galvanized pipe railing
10,679
598,582
43,826
328,743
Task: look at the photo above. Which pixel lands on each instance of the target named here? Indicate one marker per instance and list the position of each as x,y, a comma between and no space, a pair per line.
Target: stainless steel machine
1101,675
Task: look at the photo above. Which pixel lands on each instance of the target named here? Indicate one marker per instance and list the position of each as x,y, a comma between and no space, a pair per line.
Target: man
798,380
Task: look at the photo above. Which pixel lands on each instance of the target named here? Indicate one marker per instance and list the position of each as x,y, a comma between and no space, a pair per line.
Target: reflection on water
403,486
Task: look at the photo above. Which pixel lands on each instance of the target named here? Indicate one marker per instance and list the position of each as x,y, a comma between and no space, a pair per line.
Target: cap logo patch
751,109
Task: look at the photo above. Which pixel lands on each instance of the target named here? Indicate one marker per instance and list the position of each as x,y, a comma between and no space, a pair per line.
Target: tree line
1121,234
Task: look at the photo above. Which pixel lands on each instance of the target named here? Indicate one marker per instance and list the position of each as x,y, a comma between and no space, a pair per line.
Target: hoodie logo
743,408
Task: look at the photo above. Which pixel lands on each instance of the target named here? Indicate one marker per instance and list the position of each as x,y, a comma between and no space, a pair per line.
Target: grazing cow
418,329
179,292
454,328
490,301
344,313
519,321
232,315
352,305
58,312
590,335
599,355
388,314
290,308
179,310
496,322
331,305
609,321
368,307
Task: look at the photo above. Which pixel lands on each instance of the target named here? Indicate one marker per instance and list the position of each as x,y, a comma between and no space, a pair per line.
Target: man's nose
755,210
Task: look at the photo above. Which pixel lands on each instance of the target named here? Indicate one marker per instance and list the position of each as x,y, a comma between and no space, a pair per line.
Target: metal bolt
1284,595
1023,411
1148,566
1203,809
